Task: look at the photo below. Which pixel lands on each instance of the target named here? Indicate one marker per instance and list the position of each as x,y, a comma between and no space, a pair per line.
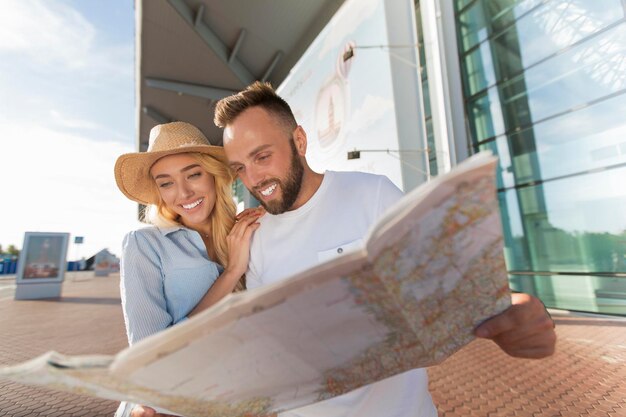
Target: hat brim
132,170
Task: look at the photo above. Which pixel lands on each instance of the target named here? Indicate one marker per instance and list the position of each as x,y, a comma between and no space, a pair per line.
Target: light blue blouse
164,274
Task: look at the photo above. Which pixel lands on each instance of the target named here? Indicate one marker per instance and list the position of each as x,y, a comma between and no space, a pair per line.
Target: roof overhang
191,53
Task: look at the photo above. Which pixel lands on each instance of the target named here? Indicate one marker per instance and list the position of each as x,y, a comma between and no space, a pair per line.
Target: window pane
515,243
478,70
486,17
505,12
537,36
426,95
485,116
432,149
598,294
587,139
459,4
590,71
559,24
472,25
568,225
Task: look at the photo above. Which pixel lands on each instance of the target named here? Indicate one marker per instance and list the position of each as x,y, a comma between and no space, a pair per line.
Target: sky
67,111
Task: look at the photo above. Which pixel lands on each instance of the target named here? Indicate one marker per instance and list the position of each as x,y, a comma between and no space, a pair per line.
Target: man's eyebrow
251,154
187,168
258,149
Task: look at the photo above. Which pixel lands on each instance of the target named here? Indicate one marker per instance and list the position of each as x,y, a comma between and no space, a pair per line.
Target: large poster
341,92
43,257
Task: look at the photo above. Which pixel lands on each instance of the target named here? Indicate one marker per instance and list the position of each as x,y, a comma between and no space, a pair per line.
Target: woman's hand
250,211
238,241
239,238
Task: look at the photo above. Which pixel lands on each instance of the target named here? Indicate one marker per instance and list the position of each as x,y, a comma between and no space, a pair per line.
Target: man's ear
299,138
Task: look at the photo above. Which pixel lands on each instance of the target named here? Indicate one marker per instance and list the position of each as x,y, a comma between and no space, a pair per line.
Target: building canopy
191,53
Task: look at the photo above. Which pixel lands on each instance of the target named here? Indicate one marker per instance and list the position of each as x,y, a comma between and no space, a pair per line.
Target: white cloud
58,182
69,122
113,60
371,111
52,33
48,32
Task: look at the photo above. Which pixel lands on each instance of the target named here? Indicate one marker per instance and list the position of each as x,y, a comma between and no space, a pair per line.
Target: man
312,215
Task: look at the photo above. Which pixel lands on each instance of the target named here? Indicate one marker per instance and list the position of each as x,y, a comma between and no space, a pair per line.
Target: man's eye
263,157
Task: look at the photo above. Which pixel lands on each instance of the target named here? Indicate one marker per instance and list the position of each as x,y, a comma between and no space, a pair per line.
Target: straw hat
132,170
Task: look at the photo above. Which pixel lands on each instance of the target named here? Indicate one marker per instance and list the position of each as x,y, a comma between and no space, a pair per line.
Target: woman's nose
185,191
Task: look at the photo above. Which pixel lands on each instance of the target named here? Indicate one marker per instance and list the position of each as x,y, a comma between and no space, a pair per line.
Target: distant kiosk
41,267
105,262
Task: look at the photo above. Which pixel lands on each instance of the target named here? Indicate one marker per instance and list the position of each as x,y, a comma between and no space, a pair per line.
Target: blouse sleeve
141,288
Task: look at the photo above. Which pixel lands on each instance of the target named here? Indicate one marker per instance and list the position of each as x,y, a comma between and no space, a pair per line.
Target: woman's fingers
241,226
250,211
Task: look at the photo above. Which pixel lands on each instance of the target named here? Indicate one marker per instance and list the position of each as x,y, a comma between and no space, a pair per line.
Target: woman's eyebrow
187,168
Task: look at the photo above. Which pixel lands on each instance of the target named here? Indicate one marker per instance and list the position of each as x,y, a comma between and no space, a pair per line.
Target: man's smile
269,190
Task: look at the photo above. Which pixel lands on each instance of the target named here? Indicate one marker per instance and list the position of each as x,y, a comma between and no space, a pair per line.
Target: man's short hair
259,94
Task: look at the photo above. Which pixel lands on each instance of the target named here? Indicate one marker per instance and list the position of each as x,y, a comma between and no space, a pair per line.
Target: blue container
73,266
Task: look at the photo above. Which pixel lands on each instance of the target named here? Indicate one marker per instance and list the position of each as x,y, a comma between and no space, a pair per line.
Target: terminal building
410,88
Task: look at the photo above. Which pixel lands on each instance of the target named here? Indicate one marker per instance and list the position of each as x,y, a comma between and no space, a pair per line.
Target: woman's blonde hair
222,216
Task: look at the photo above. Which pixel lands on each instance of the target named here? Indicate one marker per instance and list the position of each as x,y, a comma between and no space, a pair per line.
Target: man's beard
290,186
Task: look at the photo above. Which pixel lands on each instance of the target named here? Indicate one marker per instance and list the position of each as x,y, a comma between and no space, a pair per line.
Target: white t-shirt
333,221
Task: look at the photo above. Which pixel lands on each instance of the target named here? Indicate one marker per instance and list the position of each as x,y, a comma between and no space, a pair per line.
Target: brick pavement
87,319
586,377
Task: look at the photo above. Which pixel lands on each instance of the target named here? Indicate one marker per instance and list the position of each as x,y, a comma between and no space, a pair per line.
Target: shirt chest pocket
332,253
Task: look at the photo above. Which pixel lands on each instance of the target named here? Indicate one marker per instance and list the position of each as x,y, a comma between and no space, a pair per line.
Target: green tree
12,250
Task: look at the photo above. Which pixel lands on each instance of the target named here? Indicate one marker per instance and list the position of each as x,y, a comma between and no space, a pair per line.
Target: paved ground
586,377
87,319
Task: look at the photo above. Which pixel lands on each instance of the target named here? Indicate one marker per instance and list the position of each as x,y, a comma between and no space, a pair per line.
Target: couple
198,253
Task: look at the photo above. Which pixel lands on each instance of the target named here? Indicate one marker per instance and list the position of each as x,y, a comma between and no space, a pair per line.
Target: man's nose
255,176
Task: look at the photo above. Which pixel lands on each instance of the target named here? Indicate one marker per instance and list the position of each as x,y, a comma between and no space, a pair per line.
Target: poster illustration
43,256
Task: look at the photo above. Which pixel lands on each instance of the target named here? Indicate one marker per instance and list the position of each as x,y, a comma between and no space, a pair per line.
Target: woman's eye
165,184
195,175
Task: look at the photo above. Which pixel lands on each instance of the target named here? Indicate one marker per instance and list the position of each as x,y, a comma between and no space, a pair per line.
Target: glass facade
430,136
544,87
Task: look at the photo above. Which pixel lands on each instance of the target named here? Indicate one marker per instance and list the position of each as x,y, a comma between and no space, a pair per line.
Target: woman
195,253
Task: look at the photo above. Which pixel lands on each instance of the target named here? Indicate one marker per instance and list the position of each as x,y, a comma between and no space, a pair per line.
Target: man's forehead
249,134
227,135
240,146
